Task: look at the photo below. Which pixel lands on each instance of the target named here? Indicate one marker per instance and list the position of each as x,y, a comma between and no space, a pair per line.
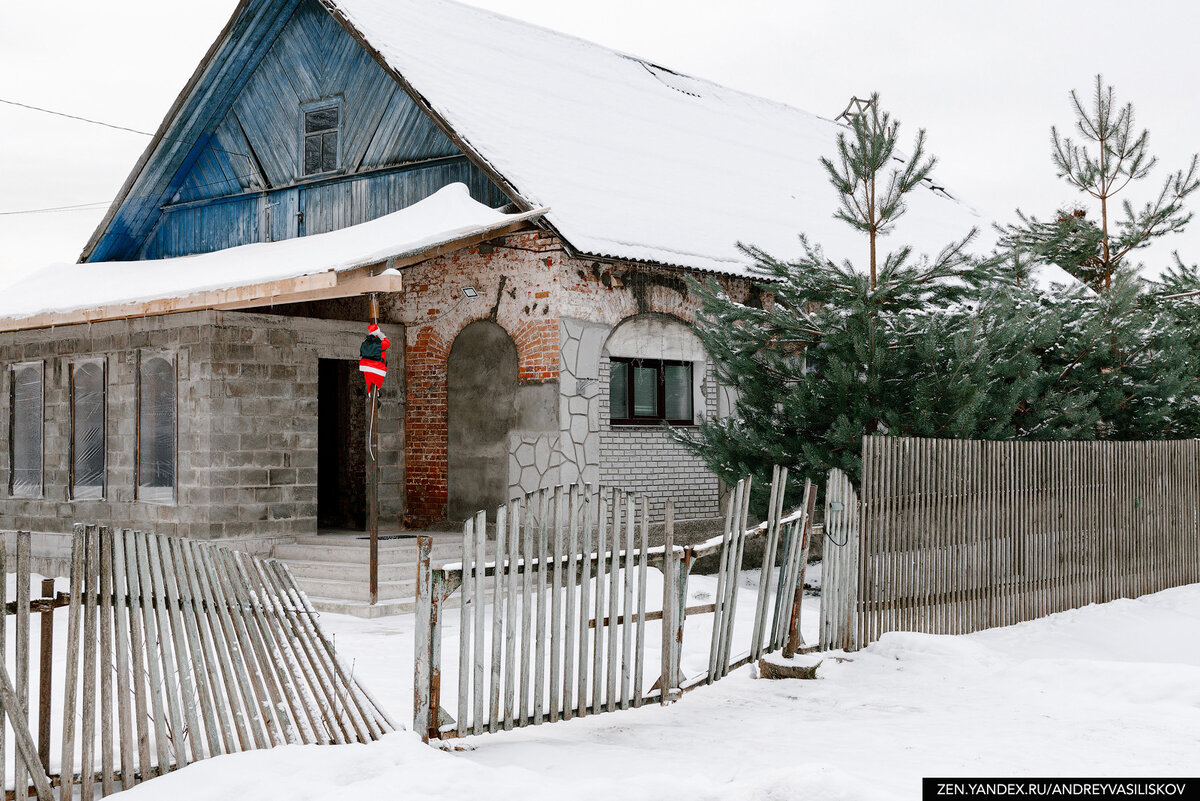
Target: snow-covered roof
637,161
448,216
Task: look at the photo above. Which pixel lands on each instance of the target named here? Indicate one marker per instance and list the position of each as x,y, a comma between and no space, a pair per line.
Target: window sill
649,424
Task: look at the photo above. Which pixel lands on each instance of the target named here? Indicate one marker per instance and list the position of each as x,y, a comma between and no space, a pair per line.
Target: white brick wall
645,459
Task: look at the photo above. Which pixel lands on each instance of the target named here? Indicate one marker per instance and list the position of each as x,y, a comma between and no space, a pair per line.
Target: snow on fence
958,535
175,651
573,585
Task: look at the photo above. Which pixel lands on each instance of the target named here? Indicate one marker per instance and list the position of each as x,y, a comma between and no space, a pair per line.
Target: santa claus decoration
373,357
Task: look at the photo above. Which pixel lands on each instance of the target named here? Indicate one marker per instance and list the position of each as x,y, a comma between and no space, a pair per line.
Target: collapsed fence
957,536
175,651
574,583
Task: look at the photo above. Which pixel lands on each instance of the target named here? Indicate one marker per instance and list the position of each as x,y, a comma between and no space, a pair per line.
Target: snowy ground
1107,690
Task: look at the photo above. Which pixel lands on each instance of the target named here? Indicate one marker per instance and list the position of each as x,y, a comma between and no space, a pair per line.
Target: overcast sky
987,80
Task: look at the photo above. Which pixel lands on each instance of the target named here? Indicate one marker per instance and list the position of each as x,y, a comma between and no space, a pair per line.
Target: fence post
667,680
795,640
426,688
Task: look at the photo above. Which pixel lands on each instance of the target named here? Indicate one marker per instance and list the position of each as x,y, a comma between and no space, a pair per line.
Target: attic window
321,126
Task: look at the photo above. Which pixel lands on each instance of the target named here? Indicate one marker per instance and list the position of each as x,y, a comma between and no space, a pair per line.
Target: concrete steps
333,571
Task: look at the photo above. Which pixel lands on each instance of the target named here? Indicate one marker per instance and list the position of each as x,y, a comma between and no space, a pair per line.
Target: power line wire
118,127
76,207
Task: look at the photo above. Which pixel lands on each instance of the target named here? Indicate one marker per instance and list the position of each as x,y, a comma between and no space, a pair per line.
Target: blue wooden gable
227,166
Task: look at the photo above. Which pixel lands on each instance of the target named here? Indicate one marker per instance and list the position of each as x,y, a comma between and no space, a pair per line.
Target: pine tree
1109,156
839,350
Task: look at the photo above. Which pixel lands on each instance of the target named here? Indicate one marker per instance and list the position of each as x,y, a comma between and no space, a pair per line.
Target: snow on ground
1111,689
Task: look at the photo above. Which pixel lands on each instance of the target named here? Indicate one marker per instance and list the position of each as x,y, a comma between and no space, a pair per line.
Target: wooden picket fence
175,651
570,596
957,536
839,565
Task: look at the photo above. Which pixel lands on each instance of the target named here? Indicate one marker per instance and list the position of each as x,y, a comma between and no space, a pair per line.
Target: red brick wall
525,284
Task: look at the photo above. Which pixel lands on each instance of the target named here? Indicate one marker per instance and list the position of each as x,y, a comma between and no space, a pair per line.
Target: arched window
655,362
156,430
87,431
25,431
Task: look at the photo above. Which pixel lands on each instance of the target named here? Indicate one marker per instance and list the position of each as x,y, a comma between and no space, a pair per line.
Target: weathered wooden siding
241,182
327,206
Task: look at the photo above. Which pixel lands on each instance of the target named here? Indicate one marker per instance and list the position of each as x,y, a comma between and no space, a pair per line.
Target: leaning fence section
576,614
174,651
960,535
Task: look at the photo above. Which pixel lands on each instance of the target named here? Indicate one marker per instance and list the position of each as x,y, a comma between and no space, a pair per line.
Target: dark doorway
341,446
481,383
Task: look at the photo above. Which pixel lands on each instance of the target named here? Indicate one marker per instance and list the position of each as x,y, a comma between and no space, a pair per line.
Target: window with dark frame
321,126
648,391
88,431
156,438
25,430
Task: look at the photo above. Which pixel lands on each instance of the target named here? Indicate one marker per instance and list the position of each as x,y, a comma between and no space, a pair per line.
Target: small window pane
320,120
26,464
645,391
329,149
618,391
677,380
156,431
87,444
312,154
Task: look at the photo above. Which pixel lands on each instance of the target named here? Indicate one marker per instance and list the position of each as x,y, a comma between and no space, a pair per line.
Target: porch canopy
351,261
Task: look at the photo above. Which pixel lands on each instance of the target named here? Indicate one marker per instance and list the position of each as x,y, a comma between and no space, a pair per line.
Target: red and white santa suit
373,353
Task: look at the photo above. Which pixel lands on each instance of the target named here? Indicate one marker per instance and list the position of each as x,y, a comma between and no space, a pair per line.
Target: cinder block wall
247,424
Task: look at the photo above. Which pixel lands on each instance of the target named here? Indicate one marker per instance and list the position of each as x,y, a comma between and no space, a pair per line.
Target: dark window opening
321,140
156,430
87,431
25,431
643,391
341,452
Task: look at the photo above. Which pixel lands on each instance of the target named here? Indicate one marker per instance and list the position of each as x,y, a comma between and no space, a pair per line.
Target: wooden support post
667,678
795,640
373,471
425,700
45,676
